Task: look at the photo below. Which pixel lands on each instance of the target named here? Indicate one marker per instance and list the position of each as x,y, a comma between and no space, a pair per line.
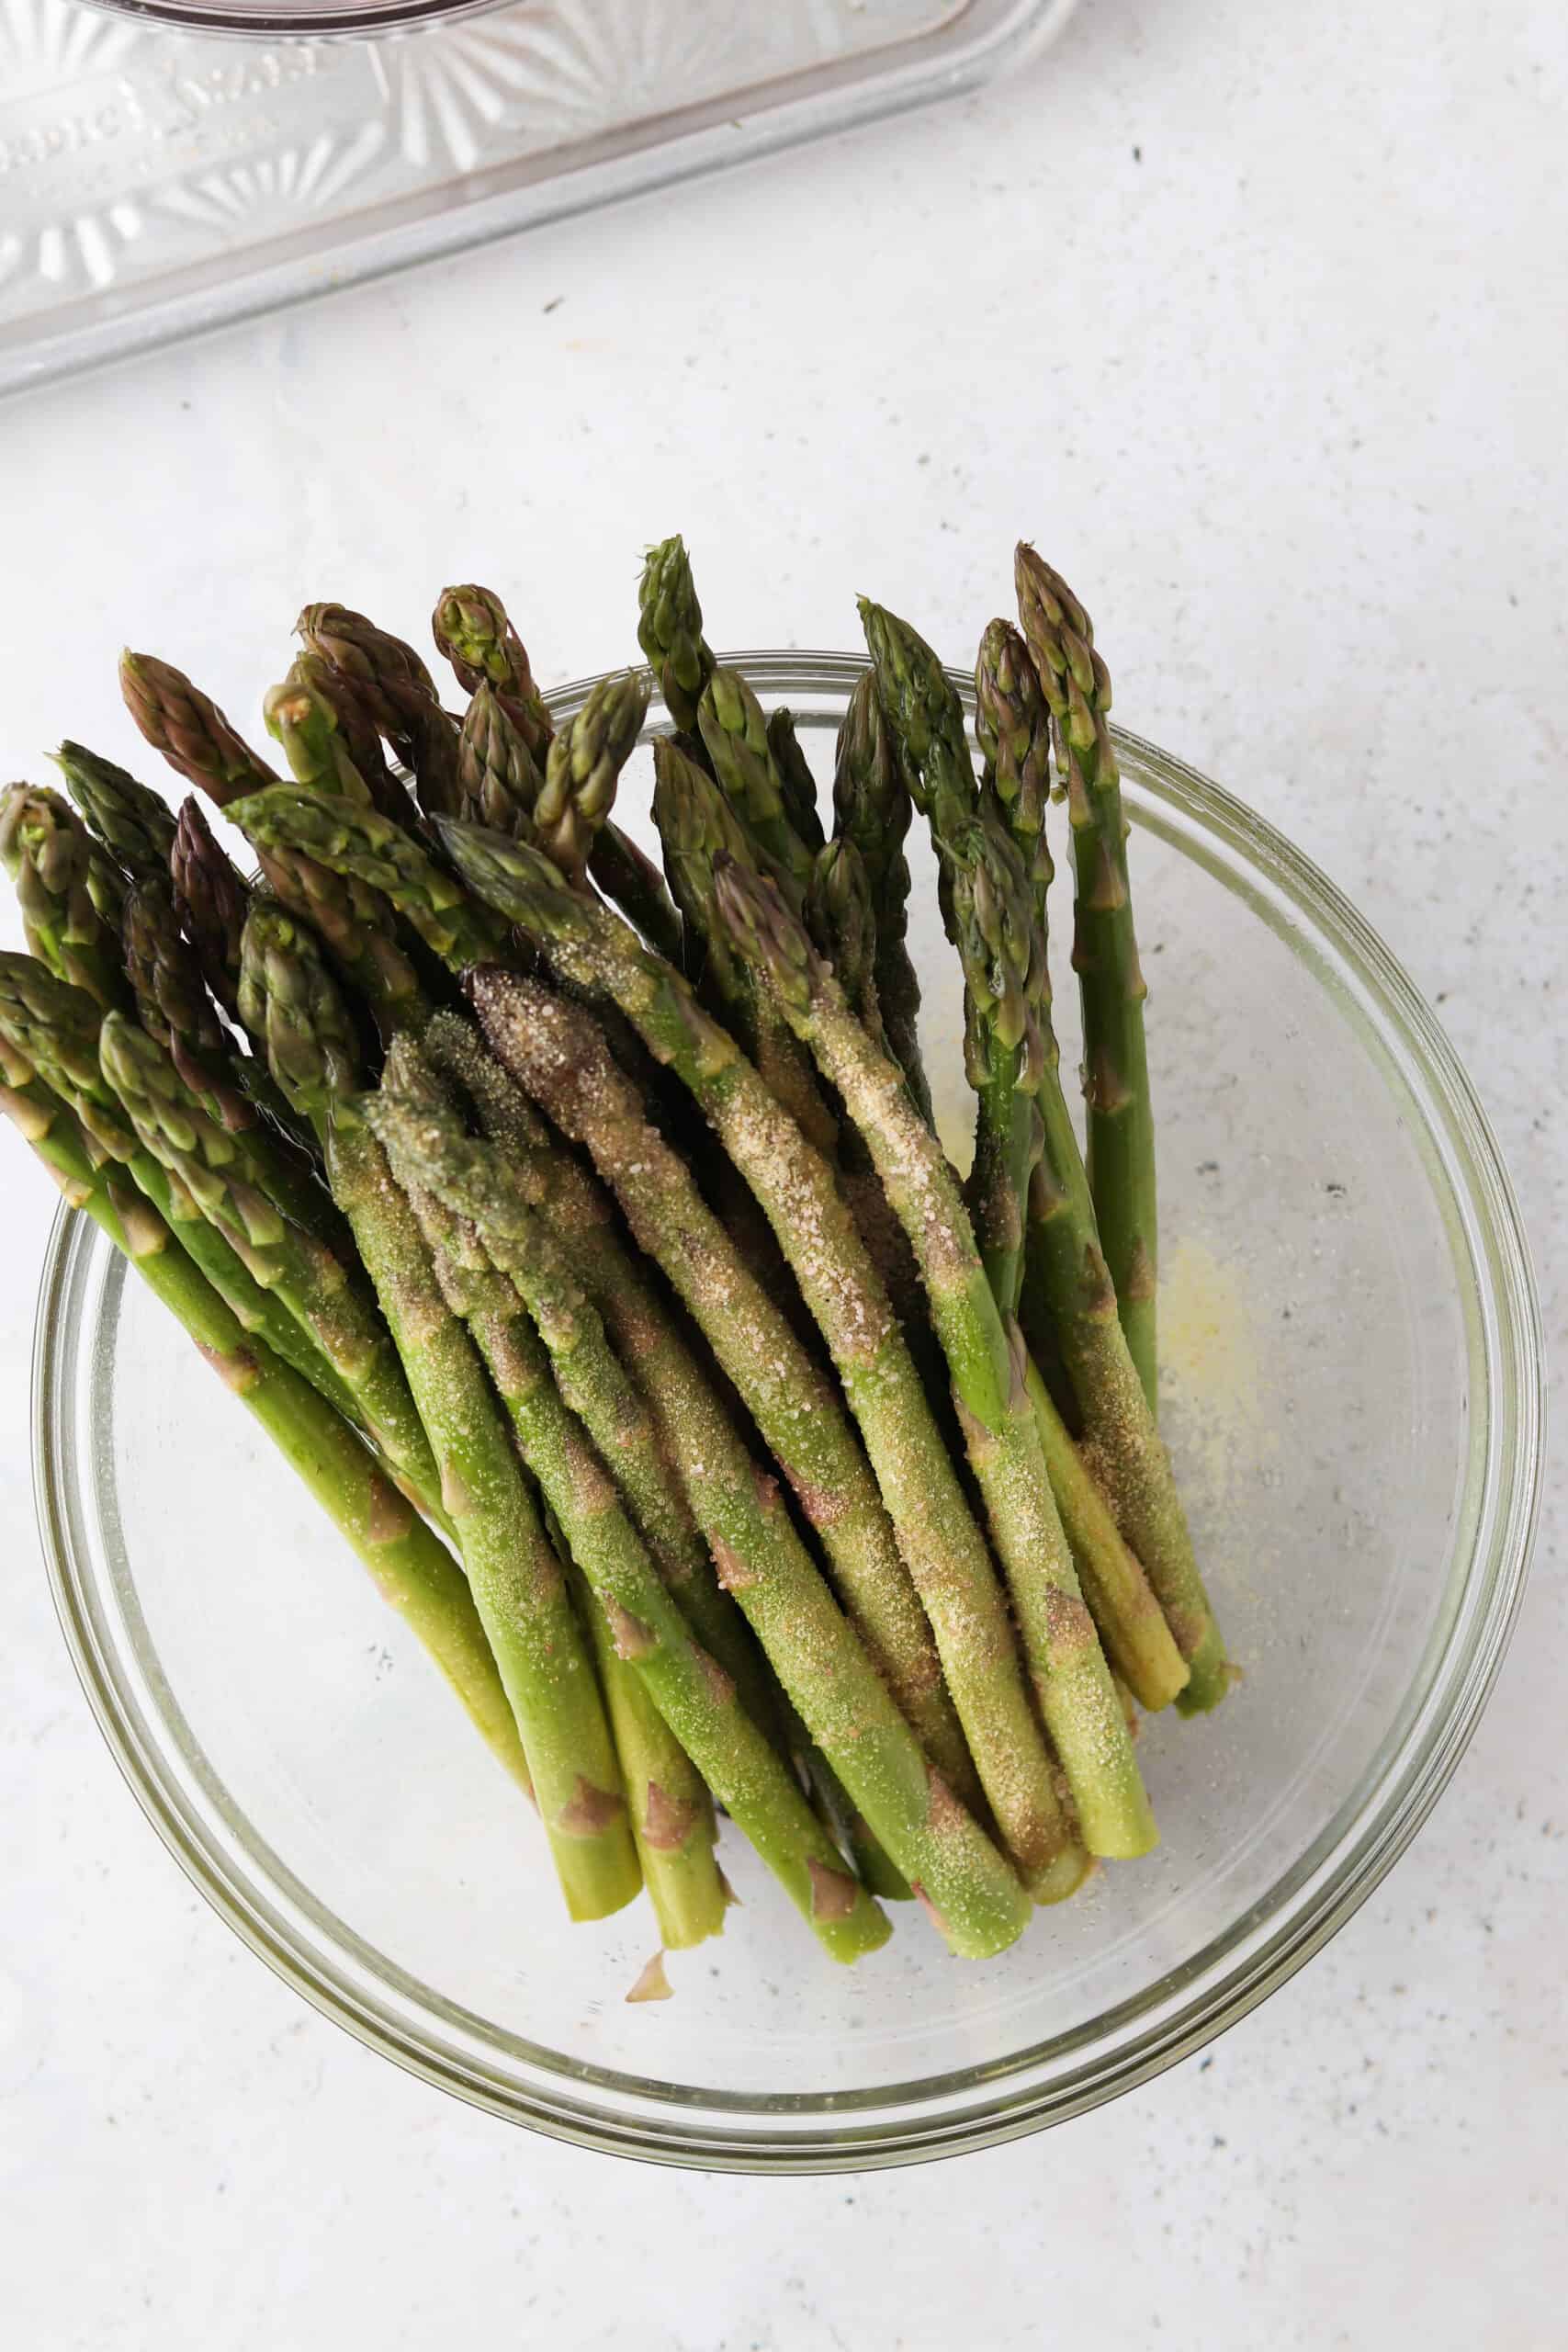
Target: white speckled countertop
1254,314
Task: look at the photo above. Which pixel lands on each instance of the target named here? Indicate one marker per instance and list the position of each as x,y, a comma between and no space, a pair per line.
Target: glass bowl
1352,1393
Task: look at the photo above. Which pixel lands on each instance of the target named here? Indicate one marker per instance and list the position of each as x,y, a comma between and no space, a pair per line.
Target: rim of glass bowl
1050,2082
270,20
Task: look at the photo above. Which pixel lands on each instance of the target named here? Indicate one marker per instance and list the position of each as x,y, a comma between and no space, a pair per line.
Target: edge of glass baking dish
436,80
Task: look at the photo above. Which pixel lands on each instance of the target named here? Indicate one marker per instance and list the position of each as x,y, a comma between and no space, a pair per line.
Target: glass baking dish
155,184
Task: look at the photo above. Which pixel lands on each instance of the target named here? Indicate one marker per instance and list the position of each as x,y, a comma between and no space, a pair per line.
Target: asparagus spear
583,771
942,1547
55,1029
796,779
1067,1299
412,1568
189,727
367,854
1005,991
210,900
871,811
135,825
397,693
230,1177
559,1056
362,848
669,632
1131,1626
194,735
1120,1155
695,822
69,892
986,1359
305,725
1069,1307
839,916
428,1148
692,1692
671,1813
1013,725
826,1675
533,1169
735,734
514,1575
360,736
171,1001
471,629
517,1581
632,881
499,779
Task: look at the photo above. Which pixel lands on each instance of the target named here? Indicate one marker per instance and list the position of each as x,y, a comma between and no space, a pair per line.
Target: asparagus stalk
171,1001
513,1573
359,734
671,1813
942,1549
517,1582
471,629
692,1694
1068,1306
69,892
583,771
695,822
632,881
396,691
135,825
208,903
499,779
229,1176
871,811
305,725
197,739
1013,725
735,734
1005,991
796,779
557,1053
365,851
986,1359
1138,1641
428,1148
189,730
1068,1295
533,1169
669,632
1067,1303
839,916
826,1675
55,1029
211,899
1120,1154
412,1570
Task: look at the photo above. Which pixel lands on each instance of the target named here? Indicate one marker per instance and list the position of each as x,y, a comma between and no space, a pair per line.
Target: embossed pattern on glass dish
152,182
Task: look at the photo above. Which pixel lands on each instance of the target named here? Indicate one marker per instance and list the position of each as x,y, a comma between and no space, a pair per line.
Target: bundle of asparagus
582,1235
